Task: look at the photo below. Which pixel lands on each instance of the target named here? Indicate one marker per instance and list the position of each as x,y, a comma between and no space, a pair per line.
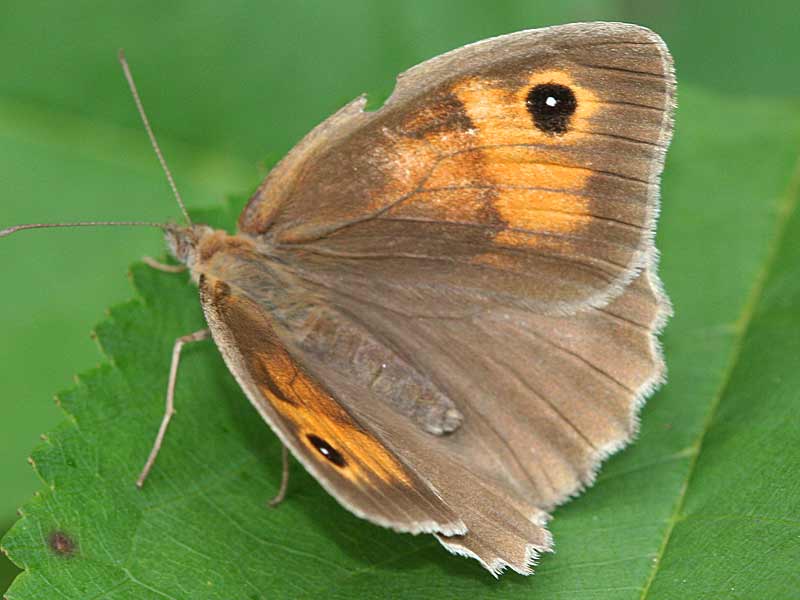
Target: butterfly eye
328,451
551,105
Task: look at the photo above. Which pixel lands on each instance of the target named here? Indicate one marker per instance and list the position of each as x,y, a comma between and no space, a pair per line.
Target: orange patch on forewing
463,173
515,154
543,211
501,116
522,166
312,411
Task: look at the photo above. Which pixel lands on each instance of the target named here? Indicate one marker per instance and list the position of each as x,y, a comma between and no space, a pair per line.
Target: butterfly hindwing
354,390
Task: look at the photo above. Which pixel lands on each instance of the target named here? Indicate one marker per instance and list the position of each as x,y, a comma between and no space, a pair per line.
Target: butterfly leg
284,479
170,404
159,266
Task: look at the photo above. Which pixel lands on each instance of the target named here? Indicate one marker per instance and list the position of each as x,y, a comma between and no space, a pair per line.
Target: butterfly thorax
244,264
214,252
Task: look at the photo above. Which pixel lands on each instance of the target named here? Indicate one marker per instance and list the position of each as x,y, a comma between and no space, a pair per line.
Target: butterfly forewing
467,189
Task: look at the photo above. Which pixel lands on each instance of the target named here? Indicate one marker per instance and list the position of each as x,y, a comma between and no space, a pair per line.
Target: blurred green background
230,87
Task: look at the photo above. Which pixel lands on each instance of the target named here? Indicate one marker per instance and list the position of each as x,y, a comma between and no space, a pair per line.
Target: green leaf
704,505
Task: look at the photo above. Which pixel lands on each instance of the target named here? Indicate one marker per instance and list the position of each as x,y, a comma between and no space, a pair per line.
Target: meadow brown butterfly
447,308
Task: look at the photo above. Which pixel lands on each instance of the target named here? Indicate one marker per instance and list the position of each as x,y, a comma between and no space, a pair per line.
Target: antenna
15,228
127,71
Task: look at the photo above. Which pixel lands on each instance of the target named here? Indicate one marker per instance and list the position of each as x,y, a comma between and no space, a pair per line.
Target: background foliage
231,87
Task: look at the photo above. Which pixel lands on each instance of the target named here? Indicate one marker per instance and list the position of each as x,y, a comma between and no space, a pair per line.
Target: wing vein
524,383
658,109
617,317
532,209
584,360
591,268
617,136
535,162
645,74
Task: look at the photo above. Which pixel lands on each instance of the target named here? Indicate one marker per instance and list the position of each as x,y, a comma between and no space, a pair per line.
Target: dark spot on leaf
61,543
551,105
328,451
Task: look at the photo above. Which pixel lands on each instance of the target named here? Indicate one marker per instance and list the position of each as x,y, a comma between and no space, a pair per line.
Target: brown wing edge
497,566
481,542
659,376
649,252
422,77
445,522
648,387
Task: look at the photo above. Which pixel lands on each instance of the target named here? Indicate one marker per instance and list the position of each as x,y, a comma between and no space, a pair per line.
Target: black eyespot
328,451
551,105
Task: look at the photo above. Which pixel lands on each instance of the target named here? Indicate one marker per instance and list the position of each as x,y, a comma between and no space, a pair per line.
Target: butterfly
447,309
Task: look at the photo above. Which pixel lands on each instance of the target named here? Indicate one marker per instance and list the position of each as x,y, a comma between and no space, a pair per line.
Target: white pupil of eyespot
551,101
324,451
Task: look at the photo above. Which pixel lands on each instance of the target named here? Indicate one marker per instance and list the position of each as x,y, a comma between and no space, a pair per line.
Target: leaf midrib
785,210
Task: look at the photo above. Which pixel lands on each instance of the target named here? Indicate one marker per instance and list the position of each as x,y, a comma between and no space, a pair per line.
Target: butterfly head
184,241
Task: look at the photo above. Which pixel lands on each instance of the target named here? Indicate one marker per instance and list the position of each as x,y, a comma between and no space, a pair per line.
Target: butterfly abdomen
347,347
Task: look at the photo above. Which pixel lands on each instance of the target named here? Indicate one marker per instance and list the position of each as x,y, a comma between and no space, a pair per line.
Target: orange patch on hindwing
318,418
332,435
